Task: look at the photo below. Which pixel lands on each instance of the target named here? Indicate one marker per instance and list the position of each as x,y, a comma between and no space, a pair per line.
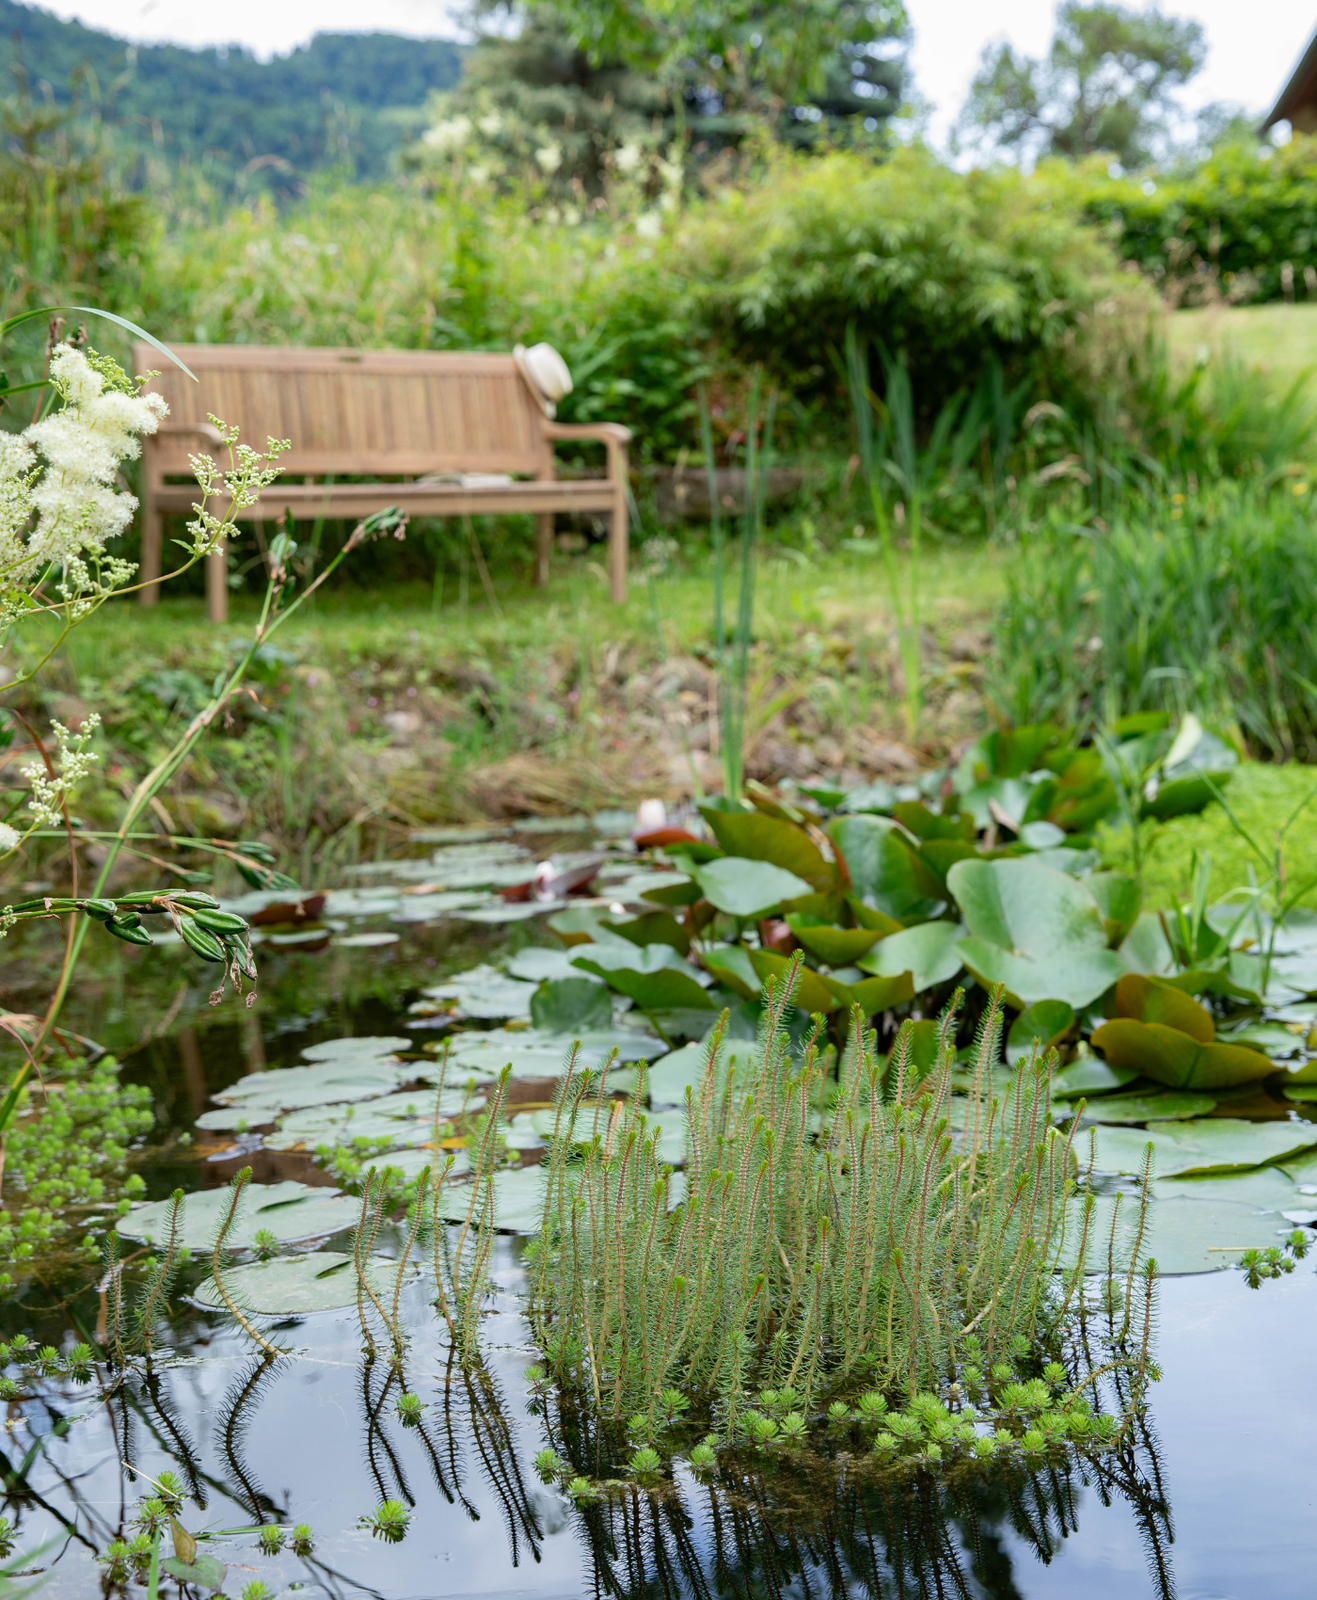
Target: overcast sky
1252,46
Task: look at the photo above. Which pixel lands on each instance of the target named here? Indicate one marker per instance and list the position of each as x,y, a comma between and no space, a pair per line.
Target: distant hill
344,99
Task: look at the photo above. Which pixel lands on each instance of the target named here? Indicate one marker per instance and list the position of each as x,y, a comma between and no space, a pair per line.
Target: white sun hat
546,373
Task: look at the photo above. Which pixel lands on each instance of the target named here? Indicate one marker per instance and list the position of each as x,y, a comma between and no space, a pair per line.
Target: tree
1105,85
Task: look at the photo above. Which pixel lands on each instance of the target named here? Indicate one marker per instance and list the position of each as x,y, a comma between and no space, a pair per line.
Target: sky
1251,46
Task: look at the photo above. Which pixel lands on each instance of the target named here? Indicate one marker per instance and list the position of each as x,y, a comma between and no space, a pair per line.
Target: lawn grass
1279,339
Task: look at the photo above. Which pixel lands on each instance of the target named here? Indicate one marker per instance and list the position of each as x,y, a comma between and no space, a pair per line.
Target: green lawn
1280,339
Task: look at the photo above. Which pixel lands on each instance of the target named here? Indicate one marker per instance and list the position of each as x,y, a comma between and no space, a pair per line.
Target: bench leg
148,571
543,547
217,583
618,541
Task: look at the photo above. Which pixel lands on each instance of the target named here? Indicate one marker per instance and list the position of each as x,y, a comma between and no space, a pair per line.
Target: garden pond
1211,1498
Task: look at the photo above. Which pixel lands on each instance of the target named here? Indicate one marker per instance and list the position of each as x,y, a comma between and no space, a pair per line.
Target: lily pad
1039,1026
1148,1107
1214,1144
653,975
430,907
1089,1076
884,868
295,1286
537,962
1150,1000
518,1200
745,888
1185,1234
571,1005
394,1114
365,941
365,1046
329,1082
1169,1056
290,1211
732,967
837,946
1118,899
484,993
1033,929
534,1054
752,836
812,993
663,888
507,911
206,1572
927,952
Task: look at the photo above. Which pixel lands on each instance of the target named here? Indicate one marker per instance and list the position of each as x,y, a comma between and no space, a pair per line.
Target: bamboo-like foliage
812,1250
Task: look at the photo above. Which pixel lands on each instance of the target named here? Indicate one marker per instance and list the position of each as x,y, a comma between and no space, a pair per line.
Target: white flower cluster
10,839
75,503
242,484
73,761
451,133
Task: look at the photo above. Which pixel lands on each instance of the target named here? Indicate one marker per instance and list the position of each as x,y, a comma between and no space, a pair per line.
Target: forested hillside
346,100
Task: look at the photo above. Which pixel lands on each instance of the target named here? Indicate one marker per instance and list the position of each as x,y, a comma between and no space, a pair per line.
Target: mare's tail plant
219,1267
153,1300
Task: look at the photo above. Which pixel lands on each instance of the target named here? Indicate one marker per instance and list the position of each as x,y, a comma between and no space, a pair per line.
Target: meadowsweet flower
549,158
10,839
73,761
448,135
490,125
626,158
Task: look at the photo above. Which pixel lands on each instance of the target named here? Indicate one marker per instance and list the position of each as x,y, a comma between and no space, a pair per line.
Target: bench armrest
600,432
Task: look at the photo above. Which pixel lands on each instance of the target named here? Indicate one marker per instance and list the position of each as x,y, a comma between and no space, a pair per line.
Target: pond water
1214,1500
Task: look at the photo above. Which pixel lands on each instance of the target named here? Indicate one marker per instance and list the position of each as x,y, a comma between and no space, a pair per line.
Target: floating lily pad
364,941
1185,1234
518,1200
927,952
745,888
884,868
1089,1076
1154,1001
367,1046
295,1286
571,1005
652,975
1033,929
664,888
327,1083
732,967
533,1054
1118,899
395,1116
1215,1144
813,992
1039,1027
484,993
1148,1107
753,836
430,907
537,962
206,1572
509,911
1169,1056
837,946
288,1210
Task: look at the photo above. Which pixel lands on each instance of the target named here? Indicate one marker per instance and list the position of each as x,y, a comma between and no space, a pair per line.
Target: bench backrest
356,412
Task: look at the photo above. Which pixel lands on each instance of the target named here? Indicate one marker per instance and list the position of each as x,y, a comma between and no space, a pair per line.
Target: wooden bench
440,424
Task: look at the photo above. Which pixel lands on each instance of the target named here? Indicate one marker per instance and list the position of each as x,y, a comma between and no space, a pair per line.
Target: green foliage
1185,601
1240,224
388,1521
1105,85
66,1149
343,100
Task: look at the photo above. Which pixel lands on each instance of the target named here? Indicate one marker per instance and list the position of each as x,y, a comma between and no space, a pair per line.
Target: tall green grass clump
1186,602
869,1240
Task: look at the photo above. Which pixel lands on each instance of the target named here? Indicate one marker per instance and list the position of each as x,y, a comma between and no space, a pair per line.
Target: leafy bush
1230,225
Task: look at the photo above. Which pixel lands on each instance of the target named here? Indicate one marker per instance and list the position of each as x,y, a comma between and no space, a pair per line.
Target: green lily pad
291,1088
1303,1093
484,993
518,1200
732,967
884,867
537,962
1089,1076
1215,1144
430,907
206,1572
571,1005
1150,1000
295,1286
1148,1107
1169,1056
1267,1188
1118,899
877,994
663,888
867,917
366,1046
927,952
534,1054
745,888
813,992
654,976
837,946
1039,1026
752,836
290,1211
651,927
1033,929
1185,1234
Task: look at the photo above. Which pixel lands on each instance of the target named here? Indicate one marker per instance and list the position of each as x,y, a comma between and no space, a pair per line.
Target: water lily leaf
1089,1076
1148,1000
654,976
537,962
295,1286
206,1572
1185,1233
879,994
1215,1144
837,946
313,1134
364,1046
518,1200
1118,900
571,1005
291,1088
915,817
365,941
1267,1188
940,855
867,917
1148,1107
430,907
1181,797
745,888
534,1054
732,967
927,952
290,1211
1041,1025
813,992
1168,1056
484,992
1034,929
885,870
509,911
664,888
753,836
652,927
